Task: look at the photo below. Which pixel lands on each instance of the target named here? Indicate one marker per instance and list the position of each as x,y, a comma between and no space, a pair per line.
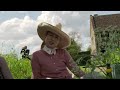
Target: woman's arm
71,64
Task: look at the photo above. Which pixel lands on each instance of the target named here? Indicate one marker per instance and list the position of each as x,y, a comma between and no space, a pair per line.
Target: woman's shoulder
62,51
37,52
2,60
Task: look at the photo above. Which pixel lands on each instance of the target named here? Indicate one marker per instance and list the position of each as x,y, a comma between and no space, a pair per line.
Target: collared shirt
55,66
49,50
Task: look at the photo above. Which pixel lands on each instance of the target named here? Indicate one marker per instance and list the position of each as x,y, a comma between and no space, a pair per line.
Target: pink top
53,66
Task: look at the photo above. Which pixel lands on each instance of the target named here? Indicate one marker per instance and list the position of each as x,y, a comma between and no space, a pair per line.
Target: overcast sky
19,28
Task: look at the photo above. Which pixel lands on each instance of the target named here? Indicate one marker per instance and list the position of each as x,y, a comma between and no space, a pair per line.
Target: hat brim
43,28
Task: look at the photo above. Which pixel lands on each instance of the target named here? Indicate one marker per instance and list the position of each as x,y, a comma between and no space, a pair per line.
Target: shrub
20,69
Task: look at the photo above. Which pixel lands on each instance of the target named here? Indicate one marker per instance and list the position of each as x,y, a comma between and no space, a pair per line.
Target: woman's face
52,40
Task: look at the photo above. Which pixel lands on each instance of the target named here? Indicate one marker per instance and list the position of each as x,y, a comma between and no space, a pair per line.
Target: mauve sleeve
35,66
5,69
71,64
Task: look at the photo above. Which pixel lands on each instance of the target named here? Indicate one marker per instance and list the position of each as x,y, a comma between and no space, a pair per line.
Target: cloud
17,29
23,31
28,26
71,20
36,48
50,17
30,41
22,12
86,42
2,12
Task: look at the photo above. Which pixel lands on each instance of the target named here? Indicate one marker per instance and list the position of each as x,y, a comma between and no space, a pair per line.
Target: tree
74,49
75,35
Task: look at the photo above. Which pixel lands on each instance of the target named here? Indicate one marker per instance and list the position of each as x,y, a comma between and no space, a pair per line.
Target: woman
4,70
53,59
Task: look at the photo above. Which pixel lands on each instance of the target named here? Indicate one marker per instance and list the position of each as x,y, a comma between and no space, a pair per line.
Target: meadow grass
20,69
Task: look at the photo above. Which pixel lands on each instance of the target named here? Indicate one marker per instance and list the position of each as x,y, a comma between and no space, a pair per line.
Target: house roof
105,20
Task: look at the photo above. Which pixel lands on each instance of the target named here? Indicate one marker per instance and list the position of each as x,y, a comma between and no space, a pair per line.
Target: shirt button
53,63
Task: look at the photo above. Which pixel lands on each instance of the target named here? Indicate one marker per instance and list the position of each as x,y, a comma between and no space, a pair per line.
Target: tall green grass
20,69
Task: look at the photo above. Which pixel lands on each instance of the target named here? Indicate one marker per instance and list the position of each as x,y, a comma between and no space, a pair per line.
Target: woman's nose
52,38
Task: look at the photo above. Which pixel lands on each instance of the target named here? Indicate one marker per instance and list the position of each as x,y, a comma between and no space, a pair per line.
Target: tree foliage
77,54
108,50
74,49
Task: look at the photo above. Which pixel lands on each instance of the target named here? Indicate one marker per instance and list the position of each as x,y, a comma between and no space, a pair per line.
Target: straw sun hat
43,28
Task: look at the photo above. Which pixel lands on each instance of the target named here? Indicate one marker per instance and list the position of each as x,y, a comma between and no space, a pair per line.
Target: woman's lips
51,43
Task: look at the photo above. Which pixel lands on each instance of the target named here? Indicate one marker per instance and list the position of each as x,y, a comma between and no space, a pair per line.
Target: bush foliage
20,69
